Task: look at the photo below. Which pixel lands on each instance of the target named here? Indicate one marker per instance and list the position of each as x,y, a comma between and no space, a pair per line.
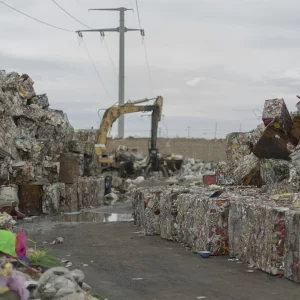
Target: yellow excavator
112,114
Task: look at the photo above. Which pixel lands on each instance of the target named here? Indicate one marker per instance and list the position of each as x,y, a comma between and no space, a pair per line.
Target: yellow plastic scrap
7,270
285,196
4,290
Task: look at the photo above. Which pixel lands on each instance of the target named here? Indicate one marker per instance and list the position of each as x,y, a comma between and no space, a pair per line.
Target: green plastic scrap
8,243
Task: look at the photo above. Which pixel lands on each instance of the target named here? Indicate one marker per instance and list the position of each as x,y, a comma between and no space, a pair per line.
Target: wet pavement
92,217
120,263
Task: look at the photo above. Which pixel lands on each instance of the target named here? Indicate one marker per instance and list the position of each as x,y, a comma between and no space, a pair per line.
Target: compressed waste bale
273,142
203,223
292,249
276,108
24,174
6,221
40,100
146,206
248,172
86,135
27,127
151,213
53,198
136,196
90,192
9,132
91,165
237,147
71,166
71,203
274,170
76,146
5,170
261,236
51,171
168,214
296,126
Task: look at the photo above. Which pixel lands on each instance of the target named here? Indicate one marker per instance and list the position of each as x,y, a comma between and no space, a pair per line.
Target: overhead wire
102,39
81,38
95,68
67,30
38,20
138,13
145,48
88,27
70,14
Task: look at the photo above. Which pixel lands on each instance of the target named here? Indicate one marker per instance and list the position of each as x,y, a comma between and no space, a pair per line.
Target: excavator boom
114,112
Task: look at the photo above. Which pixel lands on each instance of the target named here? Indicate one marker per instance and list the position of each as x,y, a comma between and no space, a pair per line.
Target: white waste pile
36,144
57,283
138,160
194,170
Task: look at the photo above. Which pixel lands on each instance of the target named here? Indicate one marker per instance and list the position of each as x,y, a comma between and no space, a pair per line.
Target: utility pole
216,129
188,129
121,29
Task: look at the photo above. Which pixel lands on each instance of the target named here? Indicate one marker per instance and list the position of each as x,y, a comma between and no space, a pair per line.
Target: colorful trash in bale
203,223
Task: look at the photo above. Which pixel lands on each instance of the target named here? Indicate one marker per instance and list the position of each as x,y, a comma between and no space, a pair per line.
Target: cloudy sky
213,61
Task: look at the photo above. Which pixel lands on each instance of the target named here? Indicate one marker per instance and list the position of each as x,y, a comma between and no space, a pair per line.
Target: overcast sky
211,60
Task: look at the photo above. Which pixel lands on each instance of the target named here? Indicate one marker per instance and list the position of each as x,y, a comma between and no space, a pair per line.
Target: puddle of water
93,217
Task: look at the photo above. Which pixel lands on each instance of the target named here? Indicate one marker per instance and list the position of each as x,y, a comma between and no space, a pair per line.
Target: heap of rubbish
250,213
46,166
267,155
29,273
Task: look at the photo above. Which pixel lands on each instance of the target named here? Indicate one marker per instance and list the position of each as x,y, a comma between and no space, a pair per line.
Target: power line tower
121,29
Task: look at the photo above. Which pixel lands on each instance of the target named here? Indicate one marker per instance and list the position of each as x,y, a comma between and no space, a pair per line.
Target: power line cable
70,15
144,45
102,39
33,18
148,66
95,68
77,20
138,13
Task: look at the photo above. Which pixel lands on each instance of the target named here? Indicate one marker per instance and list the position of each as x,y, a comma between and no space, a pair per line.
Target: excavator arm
114,112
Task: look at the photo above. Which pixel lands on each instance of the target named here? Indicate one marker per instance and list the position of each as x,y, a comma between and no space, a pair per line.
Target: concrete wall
206,150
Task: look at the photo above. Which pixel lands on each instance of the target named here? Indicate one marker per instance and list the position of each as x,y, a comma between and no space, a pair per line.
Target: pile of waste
41,155
194,169
269,154
29,273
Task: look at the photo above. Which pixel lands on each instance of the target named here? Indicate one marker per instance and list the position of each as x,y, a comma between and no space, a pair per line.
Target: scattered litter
250,271
137,278
85,265
69,264
58,240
